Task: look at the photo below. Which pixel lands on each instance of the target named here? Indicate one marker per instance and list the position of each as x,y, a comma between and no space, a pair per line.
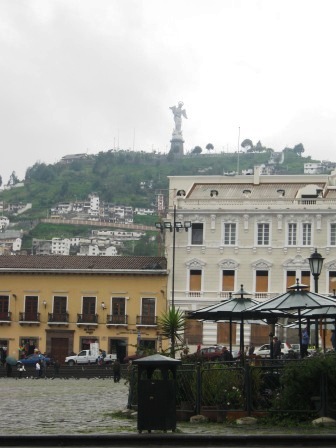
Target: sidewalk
63,409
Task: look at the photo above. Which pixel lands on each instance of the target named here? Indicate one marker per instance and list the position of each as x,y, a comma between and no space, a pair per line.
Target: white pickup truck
87,357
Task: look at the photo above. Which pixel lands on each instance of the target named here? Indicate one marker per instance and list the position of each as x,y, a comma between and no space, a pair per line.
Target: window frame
263,234
232,230
196,232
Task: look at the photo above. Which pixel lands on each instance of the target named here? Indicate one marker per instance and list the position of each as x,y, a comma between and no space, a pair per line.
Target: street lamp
174,227
315,264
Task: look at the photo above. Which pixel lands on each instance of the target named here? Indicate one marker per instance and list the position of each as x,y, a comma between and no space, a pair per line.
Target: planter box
184,412
214,413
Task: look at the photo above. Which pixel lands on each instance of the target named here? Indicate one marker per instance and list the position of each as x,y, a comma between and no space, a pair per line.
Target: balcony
87,320
5,318
116,320
29,318
58,319
146,321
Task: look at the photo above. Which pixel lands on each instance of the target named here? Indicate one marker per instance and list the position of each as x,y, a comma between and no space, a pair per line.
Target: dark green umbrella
11,360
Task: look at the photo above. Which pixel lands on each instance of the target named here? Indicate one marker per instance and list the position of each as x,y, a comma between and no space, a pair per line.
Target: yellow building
62,304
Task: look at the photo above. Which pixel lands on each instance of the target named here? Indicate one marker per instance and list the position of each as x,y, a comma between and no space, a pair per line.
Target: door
59,349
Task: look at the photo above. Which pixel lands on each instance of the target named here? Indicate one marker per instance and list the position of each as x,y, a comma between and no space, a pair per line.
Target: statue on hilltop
176,143
178,112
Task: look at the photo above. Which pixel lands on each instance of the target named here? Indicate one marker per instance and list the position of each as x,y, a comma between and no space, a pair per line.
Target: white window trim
148,297
224,223
256,234
195,268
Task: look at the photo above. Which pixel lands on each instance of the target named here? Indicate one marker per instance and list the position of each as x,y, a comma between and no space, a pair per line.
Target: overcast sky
89,75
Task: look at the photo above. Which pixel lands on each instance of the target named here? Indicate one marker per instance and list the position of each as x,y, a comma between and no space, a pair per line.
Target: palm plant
171,324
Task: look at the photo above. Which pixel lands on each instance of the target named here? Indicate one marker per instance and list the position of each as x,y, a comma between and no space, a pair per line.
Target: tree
197,150
171,324
299,149
0,180
210,147
13,179
247,144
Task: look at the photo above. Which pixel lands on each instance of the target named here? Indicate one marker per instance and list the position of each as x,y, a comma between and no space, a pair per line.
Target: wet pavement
75,408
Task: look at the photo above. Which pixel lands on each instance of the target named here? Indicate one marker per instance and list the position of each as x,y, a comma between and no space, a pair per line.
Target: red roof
85,264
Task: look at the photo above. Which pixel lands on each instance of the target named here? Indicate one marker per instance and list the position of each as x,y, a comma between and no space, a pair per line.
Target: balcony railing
29,317
146,320
5,316
213,296
117,319
87,319
58,318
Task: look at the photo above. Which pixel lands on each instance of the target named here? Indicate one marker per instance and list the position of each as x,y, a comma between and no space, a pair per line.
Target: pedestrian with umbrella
10,362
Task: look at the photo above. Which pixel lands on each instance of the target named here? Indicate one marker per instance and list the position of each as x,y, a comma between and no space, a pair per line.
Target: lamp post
315,264
173,227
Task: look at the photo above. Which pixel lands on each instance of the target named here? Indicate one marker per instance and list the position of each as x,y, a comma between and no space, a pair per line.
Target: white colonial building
253,230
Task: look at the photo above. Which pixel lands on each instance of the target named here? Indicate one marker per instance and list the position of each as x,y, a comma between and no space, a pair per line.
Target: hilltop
130,178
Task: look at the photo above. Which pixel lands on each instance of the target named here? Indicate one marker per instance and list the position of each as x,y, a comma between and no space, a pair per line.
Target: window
333,234
60,309
302,276
228,280
148,312
195,280
230,234
196,233
261,281
306,234
263,234
119,310
31,308
193,332
291,278
305,278
292,234
4,307
332,282
89,309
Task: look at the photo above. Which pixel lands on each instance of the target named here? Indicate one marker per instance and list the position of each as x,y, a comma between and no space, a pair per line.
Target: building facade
256,231
62,304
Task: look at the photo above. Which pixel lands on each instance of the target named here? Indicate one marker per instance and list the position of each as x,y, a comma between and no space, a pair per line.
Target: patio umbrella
234,309
11,360
294,302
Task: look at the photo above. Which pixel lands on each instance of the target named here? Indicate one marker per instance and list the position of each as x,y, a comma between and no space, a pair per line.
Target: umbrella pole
300,337
230,335
242,338
316,335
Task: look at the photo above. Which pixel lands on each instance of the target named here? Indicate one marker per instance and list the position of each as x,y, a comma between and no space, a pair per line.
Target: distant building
313,168
10,241
73,157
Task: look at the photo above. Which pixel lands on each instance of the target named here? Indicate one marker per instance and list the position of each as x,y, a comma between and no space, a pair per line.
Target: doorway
118,347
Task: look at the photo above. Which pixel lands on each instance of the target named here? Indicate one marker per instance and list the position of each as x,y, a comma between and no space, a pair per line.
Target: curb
131,440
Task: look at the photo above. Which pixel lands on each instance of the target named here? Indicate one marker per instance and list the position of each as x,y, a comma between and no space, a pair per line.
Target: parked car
265,350
31,360
211,353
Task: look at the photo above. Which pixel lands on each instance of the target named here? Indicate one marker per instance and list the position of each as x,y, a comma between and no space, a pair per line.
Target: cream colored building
252,230
62,304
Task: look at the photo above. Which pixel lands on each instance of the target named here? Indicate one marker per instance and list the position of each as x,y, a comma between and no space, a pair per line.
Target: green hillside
126,177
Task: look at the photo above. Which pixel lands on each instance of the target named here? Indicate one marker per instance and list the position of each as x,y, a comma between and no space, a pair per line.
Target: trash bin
156,393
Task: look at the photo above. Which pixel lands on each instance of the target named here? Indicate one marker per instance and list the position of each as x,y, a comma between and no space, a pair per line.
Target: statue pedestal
176,144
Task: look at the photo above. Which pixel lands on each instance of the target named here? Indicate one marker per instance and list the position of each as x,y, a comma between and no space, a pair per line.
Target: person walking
116,371
56,367
251,349
305,342
276,348
38,369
